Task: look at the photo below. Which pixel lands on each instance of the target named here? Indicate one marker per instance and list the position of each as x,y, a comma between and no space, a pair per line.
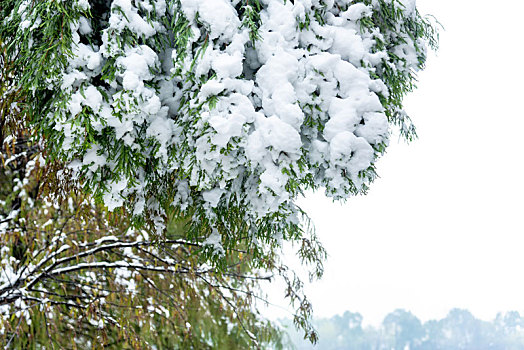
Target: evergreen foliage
188,128
140,99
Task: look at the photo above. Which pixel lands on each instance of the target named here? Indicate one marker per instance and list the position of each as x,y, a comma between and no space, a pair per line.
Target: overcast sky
443,226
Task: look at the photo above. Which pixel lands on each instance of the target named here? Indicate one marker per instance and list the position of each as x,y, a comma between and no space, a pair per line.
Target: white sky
443,226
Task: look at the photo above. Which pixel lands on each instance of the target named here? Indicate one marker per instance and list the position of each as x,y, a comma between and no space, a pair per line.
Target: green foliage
88,307
53,236
85,159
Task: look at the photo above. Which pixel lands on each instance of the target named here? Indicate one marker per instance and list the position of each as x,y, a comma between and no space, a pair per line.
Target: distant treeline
401,330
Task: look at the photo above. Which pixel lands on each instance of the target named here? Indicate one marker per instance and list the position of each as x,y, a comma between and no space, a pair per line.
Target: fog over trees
401,330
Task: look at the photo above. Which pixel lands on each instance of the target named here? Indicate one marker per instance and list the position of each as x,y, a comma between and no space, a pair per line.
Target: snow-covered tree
215,114
73,276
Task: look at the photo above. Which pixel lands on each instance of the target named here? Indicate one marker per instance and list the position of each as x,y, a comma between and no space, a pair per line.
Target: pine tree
205,120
